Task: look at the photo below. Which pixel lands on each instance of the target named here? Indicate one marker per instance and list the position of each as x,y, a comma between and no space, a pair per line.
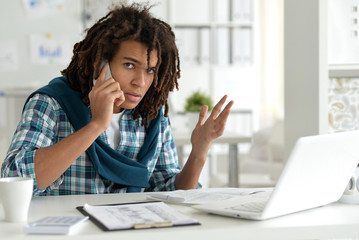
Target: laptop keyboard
256,206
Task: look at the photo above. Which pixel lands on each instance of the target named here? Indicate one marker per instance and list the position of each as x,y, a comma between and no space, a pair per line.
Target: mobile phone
108,73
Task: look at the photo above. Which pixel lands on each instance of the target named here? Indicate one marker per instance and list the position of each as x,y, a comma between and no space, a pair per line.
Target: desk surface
182,138
329,222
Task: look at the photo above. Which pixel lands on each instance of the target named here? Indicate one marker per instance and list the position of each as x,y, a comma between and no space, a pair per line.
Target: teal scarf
109,163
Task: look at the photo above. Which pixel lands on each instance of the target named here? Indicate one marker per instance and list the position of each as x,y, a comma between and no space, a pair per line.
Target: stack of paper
206,195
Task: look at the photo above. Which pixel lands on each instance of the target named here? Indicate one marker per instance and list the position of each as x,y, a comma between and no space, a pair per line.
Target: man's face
129,68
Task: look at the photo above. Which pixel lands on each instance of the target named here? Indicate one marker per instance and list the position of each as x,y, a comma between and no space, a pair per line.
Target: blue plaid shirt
44,123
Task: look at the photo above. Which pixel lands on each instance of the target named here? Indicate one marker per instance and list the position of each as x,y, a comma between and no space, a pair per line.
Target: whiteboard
16,29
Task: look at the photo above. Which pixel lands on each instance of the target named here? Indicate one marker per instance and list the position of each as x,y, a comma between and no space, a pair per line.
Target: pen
168,198
152,225
251,193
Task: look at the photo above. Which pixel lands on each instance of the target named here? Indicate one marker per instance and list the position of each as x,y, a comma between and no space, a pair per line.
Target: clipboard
134,216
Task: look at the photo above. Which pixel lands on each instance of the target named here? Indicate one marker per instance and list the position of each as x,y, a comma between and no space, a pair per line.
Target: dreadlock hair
122,23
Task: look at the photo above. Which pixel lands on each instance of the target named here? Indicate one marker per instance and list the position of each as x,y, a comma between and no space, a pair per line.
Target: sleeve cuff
29,165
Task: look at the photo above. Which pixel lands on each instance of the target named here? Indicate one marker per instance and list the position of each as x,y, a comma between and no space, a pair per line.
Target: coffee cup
15,197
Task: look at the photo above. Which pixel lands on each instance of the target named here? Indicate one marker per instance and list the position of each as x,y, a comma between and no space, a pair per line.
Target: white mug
15,197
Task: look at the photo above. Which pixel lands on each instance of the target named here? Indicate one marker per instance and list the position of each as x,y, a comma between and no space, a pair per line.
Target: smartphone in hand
108,73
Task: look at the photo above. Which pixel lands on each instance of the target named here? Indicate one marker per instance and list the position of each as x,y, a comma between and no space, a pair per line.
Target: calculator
55,225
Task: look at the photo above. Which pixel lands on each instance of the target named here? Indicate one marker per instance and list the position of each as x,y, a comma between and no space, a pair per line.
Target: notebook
316,173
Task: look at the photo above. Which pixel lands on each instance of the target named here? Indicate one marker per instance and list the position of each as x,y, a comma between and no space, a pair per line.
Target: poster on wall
48,49
8,56
343,32
43,8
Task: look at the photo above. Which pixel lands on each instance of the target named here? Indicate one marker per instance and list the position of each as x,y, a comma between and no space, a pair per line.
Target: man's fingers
202,115
217,109
226,111
120,99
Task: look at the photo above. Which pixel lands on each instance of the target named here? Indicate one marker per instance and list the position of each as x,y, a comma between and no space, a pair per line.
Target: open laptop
316,173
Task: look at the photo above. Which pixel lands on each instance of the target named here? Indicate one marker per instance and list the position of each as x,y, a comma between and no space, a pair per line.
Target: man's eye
151,70
129,65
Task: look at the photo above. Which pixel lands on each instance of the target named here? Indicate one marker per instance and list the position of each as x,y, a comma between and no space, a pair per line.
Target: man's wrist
96,128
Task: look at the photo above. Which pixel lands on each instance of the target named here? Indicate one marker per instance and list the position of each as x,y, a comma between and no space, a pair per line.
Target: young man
103,127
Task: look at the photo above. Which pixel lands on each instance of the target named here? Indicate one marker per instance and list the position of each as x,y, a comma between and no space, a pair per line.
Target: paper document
206,195
137,215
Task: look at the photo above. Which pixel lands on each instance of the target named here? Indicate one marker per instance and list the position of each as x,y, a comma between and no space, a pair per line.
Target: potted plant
193,106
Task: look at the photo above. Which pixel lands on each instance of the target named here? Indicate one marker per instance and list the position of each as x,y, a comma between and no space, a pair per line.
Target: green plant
195,102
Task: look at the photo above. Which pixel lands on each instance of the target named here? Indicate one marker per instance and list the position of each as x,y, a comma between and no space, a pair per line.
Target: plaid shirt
44,123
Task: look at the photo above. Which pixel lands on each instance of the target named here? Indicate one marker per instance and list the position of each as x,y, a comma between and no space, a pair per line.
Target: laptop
316,173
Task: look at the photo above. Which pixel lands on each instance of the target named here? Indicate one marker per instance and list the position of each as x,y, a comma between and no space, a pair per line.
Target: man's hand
208,130
104,96
202,137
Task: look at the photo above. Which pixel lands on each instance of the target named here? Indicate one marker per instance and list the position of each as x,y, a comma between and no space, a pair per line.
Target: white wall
305,69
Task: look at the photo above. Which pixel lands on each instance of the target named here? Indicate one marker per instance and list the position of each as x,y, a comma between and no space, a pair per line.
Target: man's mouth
133,97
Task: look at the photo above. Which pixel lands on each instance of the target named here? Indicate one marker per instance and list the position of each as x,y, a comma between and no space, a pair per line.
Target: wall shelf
344,70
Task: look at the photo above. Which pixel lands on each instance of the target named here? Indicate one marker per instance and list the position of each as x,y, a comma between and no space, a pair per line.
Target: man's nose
140,79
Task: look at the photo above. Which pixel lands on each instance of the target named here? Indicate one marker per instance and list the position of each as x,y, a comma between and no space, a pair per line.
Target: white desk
184,138
329,222
332,221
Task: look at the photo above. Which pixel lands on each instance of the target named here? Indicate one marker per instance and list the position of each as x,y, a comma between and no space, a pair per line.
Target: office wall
17,27
19,74
305,70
